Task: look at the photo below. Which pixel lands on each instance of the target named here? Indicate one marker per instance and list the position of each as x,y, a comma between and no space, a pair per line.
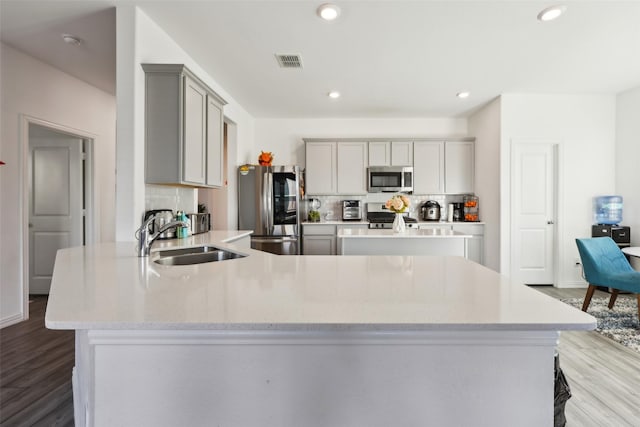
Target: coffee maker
458,211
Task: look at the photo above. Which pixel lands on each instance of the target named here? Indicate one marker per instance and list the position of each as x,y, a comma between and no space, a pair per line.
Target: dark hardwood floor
35,372
36,364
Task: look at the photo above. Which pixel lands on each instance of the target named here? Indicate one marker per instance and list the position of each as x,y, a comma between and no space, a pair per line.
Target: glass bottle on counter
181,232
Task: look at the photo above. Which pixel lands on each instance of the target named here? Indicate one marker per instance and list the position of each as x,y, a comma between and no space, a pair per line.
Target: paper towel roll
450,212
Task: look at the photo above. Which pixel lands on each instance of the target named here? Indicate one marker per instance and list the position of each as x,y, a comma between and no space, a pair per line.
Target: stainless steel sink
195,255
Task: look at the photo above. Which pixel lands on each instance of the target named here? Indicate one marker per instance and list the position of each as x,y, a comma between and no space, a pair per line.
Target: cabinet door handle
549,222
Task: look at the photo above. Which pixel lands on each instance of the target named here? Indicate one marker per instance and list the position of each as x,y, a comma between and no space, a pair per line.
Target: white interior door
533,212
55,202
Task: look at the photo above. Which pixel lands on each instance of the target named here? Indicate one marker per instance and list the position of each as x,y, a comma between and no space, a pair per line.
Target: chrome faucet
145,239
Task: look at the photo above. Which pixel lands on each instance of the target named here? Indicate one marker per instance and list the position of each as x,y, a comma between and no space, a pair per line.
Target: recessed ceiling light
72,40
328,11
334,94
462,94
551,13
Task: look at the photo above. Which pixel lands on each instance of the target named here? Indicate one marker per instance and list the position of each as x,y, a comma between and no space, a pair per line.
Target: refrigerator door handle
266,204
270,206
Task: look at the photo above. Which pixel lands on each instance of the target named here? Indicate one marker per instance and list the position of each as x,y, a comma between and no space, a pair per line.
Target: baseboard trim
562,285
11,320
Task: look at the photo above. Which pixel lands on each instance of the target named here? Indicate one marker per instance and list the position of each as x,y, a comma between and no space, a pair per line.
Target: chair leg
587,297
614,296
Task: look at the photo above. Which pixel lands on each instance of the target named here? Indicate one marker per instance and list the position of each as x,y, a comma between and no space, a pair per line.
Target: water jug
607,209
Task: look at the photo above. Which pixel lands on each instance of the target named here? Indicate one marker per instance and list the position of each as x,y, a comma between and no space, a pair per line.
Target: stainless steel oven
390,179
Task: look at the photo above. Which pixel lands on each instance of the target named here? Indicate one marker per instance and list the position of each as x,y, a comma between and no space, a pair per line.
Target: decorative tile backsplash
169,197
331,206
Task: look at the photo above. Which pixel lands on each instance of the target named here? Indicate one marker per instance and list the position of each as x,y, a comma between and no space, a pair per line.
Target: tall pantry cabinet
183,128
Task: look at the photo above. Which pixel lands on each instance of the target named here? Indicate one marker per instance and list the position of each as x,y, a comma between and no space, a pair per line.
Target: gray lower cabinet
318,239
474,250
319,245
183,128
475,245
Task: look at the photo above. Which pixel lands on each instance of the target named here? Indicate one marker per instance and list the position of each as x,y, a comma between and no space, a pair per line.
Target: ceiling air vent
289,60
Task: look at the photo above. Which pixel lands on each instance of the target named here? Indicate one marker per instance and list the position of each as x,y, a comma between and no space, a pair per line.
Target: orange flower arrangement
265,158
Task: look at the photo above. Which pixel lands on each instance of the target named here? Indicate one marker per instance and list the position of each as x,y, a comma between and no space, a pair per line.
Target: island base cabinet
314,378
397,245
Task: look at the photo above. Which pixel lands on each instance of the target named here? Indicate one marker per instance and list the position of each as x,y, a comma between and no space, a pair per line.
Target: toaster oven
351,210
199,222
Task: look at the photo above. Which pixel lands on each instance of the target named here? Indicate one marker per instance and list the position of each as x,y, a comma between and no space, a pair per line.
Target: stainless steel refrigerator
269,204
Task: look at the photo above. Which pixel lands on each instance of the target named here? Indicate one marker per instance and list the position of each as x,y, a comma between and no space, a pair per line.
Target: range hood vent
289,60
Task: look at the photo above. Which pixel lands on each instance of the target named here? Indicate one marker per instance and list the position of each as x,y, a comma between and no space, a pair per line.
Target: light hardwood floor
35,374
604,376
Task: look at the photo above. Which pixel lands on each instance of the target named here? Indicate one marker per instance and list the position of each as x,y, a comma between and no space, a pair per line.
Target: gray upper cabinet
390,153
183,128
443,167
459,167
215,129
339,166
428,169
335,168
352,168
401,153
321,170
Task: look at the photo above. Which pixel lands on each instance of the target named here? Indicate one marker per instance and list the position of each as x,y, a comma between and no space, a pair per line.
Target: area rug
620,324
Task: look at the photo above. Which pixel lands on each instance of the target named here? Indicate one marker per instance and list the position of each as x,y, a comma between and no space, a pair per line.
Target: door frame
90,230
557,149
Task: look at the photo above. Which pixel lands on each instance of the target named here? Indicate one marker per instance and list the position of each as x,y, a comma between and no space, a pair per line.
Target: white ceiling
394,58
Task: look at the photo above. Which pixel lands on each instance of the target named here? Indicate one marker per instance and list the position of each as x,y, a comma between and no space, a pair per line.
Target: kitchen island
412,241
269,340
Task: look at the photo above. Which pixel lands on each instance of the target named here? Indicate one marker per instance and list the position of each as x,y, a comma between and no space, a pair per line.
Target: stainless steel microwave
390,179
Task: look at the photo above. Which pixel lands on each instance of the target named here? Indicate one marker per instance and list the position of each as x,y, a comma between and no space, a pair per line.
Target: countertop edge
394,328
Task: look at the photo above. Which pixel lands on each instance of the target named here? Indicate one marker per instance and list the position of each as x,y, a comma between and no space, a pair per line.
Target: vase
398,224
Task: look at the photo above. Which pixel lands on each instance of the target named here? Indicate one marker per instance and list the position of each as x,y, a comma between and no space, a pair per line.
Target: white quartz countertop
106,286
409,233
366,222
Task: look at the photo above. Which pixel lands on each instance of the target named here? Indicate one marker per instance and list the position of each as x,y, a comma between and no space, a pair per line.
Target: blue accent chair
604,264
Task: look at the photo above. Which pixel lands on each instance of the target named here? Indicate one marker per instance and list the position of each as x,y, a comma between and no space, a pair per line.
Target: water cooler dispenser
607,216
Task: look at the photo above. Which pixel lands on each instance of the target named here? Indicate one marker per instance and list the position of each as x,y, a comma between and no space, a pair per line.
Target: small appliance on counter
162,217
200,222
458,211
430,211
314,213
471,208
351,210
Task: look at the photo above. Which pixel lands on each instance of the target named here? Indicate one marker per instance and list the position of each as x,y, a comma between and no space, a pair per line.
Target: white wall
141,40
283,137
485,125
35,89
627,156
584,125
